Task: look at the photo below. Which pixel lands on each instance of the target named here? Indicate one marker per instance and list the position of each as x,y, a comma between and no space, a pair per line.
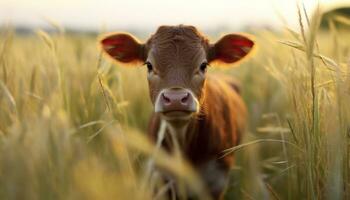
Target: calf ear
231,48
122,47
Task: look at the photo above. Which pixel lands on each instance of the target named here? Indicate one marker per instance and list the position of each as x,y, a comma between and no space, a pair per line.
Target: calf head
176,58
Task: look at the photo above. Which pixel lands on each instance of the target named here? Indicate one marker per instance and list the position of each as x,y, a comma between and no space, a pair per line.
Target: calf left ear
230,48
122,47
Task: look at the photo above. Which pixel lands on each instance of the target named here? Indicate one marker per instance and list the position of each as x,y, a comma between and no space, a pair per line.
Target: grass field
72,124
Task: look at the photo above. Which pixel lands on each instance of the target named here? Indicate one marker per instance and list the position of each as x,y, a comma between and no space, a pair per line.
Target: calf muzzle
176,100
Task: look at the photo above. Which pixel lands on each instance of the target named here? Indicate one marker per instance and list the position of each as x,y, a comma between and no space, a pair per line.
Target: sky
122,14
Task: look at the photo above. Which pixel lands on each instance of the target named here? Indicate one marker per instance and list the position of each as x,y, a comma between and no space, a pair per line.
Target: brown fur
219,126
176,54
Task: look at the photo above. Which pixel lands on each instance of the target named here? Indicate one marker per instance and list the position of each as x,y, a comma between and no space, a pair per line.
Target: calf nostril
166,99
185,98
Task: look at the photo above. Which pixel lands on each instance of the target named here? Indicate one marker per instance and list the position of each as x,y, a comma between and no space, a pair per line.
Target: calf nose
172,97
176,99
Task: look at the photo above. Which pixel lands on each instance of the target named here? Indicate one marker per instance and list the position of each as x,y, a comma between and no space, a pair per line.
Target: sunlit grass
72,125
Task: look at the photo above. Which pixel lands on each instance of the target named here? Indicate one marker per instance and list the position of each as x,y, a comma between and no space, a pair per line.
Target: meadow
73,125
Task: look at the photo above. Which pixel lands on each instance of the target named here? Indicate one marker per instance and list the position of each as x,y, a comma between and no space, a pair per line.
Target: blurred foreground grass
72,125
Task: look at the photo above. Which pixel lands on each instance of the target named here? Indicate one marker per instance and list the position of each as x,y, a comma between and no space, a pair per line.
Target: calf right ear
122,47
231,48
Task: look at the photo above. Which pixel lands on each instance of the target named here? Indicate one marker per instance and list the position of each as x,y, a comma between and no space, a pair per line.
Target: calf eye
203,67
149,66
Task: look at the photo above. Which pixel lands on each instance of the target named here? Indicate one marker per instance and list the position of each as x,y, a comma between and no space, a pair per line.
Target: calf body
218,126
205,113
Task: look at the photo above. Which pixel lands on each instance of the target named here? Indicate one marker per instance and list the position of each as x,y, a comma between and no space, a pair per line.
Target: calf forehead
164,34
176,55
175,46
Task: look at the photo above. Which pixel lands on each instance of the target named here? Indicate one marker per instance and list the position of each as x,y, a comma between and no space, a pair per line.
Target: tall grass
318,119
72,125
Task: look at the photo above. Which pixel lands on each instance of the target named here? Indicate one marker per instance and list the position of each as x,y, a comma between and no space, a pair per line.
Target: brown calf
206,113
